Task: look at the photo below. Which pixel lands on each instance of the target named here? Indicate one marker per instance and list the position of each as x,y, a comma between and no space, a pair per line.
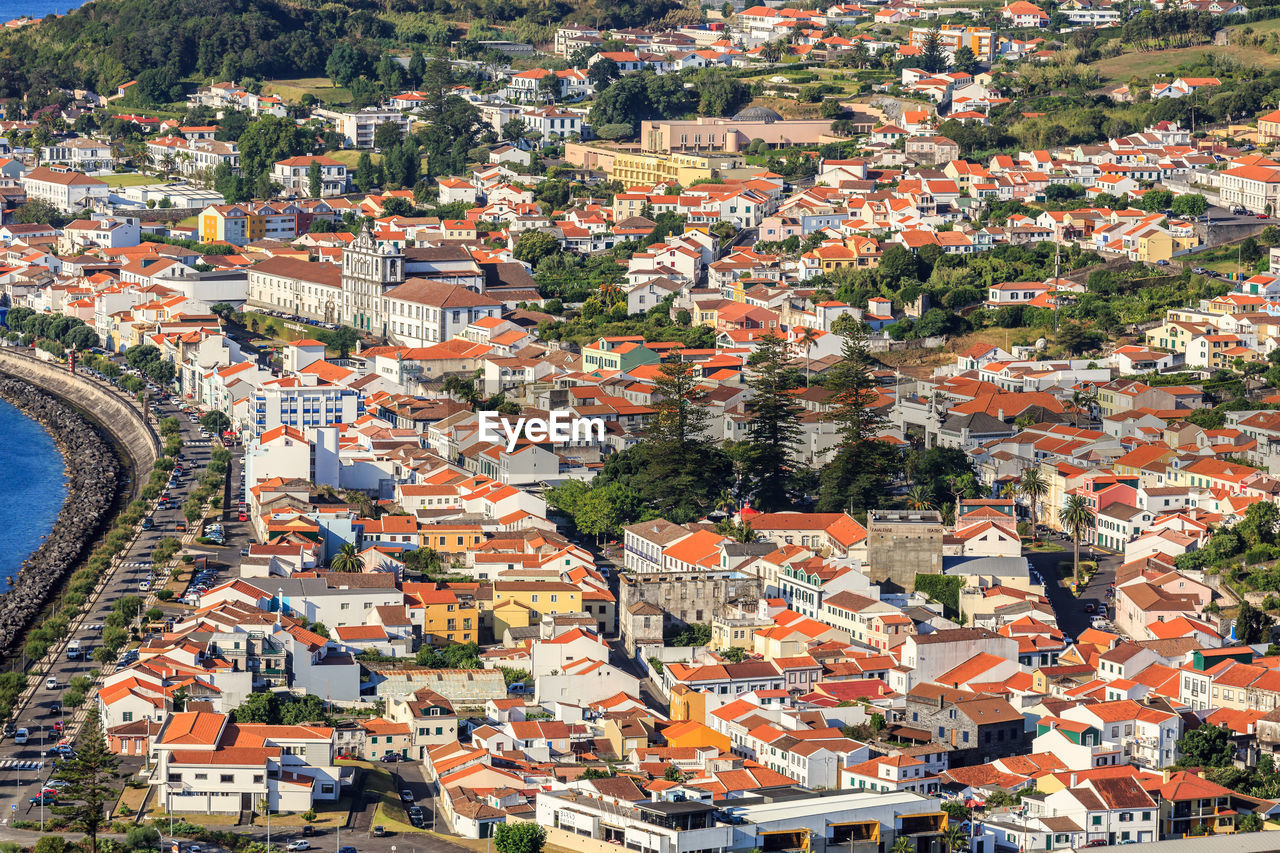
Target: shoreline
65,471
92,471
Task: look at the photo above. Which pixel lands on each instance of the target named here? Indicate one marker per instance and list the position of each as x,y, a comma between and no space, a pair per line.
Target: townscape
764,428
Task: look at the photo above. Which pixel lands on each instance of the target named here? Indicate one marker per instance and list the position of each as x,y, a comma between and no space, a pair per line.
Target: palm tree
806,339
725,503
1076,518
903,845
346,560
361,502
918,498
1033,488
955,839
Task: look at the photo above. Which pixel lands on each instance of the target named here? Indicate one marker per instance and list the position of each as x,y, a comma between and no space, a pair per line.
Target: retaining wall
122,419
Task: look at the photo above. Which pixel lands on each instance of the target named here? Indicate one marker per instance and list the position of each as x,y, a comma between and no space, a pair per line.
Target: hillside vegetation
110,42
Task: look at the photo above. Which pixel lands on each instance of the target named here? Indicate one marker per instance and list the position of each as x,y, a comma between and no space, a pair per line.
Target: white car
51,683
300,844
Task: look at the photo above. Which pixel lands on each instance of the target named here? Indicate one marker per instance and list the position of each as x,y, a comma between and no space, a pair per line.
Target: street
1072,618
23,766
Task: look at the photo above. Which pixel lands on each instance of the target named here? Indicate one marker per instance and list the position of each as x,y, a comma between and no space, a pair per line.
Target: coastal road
18,772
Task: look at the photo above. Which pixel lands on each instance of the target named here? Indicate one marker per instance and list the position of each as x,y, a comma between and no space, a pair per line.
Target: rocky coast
93,480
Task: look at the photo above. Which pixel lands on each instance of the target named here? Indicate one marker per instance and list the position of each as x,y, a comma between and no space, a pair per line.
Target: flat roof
787,807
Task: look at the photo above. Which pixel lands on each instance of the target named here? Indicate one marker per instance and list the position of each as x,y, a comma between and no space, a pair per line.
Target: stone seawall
94,473
94,399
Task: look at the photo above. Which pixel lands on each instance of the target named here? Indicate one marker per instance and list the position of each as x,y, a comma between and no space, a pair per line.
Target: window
127,717
226,778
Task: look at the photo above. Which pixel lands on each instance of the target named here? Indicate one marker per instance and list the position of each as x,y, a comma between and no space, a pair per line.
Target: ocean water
10,9
32,486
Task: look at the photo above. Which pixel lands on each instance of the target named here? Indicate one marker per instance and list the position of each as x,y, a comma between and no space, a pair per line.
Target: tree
519,838
932,59
955,839
258,708
1033,487
859,475
602,72
37,212
365,176
1192,205
533,246
734,654
346,560
314,182
387,135
343,339
344,64
964,60
514,130
90,777
161,372
1206,746
918,498
1259,525
1076,518
773,432
903,845
142,838
1252,625
215,422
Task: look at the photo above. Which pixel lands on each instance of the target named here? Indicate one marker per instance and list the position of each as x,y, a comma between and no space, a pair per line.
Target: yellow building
694,734
1269,127
450,538
540,598
231,223
445,618
688,704
1155,246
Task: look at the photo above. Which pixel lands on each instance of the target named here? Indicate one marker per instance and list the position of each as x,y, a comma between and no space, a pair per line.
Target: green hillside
163,42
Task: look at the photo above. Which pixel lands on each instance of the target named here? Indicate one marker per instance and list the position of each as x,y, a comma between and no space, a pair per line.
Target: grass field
131,179
1272,25
1163,61
349,156
321,87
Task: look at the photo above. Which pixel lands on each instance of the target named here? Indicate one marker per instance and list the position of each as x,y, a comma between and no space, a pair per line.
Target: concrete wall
122,420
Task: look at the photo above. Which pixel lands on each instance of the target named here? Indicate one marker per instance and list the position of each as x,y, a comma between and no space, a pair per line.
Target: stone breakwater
93,473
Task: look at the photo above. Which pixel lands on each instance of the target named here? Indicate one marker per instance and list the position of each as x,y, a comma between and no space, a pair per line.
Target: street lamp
41,795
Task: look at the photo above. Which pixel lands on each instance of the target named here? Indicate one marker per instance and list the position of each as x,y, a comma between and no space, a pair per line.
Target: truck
74,651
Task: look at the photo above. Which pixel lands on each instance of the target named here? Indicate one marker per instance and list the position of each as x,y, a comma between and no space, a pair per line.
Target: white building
294,175
421,312
63,188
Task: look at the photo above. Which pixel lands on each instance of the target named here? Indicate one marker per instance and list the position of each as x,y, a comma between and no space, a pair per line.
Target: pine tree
417,68
931,56
314,185
90,776
365,176
774,429
679,419
859,475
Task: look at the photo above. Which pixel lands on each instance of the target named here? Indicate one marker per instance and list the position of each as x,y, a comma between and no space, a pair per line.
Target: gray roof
1005,567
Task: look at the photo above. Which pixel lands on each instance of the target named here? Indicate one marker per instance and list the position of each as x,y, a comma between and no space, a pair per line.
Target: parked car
406,795
379,831
43,799
308,830
298,844
390,757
